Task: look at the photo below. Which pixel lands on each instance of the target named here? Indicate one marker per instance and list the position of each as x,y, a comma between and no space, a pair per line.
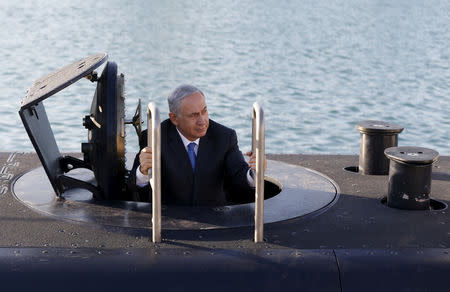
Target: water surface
316,67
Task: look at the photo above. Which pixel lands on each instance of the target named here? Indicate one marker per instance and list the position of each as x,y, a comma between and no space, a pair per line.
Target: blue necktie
191,154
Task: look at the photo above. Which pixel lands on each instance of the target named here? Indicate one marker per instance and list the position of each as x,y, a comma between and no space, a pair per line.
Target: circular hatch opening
296,192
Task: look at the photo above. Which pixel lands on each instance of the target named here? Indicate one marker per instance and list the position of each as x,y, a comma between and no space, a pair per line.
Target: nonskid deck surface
358,219
355,236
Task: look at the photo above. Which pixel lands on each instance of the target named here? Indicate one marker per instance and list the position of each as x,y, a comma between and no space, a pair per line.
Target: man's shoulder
215,127
165,125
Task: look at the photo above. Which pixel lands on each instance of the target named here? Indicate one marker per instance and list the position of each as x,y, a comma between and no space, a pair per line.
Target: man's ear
173,118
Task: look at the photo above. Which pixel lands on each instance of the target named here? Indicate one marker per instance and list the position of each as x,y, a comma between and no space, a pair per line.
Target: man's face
193,119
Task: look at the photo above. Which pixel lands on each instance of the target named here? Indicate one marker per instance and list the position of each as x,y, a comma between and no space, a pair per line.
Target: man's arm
143,167
241,184
145,160
138,179
141,179
236,168
252,164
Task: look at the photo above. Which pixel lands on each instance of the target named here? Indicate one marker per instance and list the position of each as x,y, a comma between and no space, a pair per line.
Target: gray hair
174,99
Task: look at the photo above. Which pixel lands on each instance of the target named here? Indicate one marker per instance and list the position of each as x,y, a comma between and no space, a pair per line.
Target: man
200,160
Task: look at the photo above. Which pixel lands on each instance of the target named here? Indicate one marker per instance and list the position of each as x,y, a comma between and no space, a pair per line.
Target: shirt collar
186,141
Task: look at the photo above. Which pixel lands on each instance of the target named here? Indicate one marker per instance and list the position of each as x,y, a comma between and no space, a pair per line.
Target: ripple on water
313,68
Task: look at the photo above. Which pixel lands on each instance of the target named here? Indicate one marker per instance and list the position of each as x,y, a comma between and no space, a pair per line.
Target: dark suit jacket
220,174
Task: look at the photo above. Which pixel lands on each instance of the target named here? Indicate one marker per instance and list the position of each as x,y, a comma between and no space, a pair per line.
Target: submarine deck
357,223
357,220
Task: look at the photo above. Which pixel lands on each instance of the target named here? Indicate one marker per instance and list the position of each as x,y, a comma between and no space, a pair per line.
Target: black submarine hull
358,244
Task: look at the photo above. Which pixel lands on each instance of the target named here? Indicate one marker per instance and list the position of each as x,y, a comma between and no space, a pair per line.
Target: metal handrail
258,141
154,141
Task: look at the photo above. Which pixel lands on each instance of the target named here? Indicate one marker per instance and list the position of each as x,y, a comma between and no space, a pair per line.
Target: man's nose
201,120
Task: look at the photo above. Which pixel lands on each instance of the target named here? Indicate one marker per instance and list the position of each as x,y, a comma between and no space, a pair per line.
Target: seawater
316,67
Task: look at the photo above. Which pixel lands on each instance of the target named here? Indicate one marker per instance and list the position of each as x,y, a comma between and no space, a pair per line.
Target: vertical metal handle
258,141
154,141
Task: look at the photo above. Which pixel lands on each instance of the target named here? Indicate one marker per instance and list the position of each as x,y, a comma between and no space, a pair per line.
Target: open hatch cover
107,111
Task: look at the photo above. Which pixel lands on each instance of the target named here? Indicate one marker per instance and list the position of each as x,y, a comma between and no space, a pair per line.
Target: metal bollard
258,140
154,141
410,177
375,137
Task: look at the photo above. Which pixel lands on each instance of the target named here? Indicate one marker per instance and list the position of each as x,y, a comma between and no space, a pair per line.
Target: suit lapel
203,152
178,151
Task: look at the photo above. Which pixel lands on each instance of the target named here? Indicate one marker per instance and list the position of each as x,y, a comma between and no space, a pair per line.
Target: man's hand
145,159
252,162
